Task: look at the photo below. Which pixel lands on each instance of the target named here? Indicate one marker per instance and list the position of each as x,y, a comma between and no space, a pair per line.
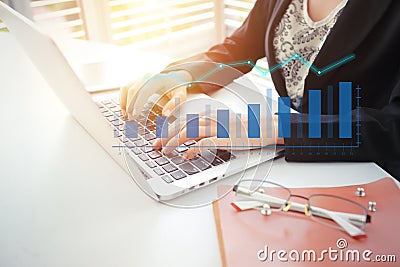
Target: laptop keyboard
170,167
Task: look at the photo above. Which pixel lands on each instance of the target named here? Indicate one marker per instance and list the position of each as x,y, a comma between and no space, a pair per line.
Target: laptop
166,178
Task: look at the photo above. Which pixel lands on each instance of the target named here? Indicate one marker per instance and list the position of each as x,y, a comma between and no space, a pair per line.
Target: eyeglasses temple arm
351,229
342,219
350,217
246,205
252,195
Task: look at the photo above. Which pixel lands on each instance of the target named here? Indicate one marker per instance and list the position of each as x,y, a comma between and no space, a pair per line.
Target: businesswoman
321,31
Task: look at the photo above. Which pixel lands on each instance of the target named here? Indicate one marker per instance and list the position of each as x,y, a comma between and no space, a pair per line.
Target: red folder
245,238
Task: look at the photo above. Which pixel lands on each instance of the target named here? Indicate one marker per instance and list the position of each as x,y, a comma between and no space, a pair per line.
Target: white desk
65,202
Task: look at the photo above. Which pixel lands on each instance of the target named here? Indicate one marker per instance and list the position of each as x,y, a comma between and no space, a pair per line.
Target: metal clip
372,206
266,210
360,192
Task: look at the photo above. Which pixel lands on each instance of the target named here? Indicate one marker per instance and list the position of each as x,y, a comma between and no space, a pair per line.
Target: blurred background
172,28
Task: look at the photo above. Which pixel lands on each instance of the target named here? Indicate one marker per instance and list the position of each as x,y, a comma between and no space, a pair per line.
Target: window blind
235,12
133,21
59,15
174,27
138,20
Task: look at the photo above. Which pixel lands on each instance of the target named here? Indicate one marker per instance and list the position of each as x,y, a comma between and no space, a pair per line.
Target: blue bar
131,129
300,118
253,120
208,120
192,125
238,125
330,111
345,121
162,127
314,114
284,117
268,116
177,114
223,123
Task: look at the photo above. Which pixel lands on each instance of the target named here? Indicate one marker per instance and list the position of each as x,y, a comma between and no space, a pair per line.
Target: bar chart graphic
243,119
259,121
315,113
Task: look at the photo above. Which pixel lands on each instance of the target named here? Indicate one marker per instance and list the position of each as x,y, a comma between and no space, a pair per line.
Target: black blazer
368,28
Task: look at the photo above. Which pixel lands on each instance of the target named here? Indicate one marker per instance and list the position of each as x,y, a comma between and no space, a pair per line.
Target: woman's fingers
159,84
177,130
174,129
209,143
128,92
123,97
134,96
133,92
175,98
182,137
207,139
175,141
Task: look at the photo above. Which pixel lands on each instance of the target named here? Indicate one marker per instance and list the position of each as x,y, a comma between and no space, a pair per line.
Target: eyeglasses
333,211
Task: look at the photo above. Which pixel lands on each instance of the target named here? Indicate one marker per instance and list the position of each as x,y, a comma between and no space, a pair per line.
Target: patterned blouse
297,32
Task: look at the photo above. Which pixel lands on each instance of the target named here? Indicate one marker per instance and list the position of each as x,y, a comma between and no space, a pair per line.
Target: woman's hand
208,137
133,97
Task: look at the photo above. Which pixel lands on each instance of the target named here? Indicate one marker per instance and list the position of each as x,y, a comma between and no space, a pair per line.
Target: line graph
262,71
295,56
